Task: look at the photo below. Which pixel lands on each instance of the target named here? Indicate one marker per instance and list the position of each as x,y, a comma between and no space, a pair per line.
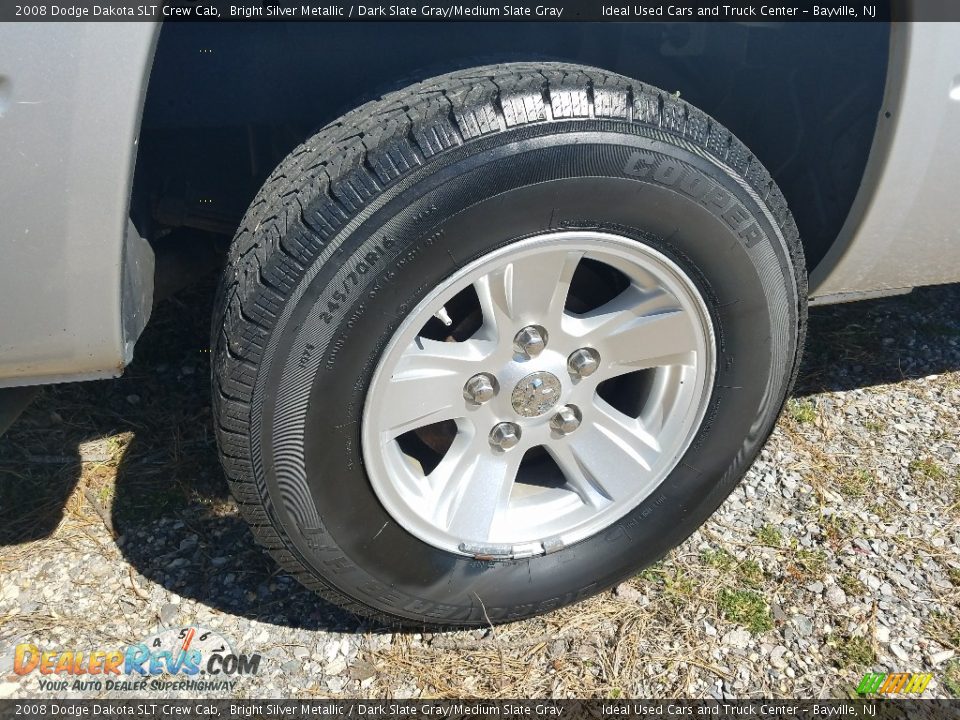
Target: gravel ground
840,552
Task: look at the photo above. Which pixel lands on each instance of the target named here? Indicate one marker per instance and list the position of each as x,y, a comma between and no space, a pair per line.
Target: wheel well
226,102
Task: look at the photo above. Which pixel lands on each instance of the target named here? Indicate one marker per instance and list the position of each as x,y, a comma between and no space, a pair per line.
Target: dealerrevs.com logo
189,658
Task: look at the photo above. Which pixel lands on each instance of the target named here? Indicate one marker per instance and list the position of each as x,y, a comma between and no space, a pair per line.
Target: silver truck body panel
903,230
70,104
76,281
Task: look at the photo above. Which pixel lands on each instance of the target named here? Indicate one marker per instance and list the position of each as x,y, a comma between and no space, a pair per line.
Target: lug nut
530,341
504,435
566,420
479,389
583,362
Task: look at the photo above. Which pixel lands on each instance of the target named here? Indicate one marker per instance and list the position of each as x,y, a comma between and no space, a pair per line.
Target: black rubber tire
363,219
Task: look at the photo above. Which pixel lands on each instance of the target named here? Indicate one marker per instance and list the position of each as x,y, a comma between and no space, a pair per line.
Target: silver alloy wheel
476,500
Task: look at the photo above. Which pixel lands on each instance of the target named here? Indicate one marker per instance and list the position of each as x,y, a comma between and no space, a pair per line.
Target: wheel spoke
580,476
608,456
638,330
528,291
473,484
427,385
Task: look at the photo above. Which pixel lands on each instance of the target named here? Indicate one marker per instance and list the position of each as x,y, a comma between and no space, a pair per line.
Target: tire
352,233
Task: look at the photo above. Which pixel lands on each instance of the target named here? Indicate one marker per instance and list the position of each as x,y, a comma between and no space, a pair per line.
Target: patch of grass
717,559
851,584
802,411
856,484
945,627
654,573
926,469
680,586
852,651
954,575
750,573
875,425
837,529
883,511
116,444
769,535
105,495
951,678
807,565
745,607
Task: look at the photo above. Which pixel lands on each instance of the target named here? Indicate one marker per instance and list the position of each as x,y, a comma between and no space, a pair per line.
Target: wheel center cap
535,394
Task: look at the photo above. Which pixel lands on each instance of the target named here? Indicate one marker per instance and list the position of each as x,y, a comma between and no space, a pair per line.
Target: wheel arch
900,231
76,277
228,101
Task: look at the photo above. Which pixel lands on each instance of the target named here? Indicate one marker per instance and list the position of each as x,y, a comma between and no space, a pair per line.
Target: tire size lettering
351,281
